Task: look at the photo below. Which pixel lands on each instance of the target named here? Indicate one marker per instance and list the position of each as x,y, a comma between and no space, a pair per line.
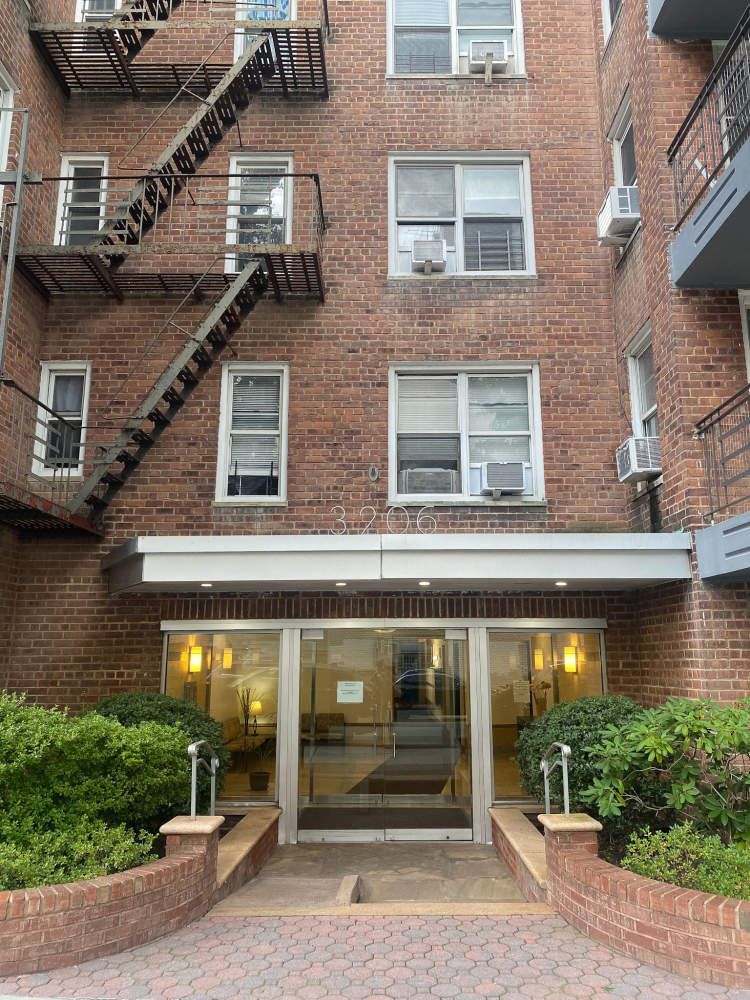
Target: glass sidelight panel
234,676
529,673
384,749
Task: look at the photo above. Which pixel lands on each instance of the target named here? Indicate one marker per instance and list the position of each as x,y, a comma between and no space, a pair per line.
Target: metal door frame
480,720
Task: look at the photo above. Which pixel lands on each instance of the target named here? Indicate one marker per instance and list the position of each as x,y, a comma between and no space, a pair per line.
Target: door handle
374,744
394,744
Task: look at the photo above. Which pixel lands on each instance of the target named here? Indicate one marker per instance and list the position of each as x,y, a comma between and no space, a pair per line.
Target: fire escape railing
192,211
43,451
716,127
725,433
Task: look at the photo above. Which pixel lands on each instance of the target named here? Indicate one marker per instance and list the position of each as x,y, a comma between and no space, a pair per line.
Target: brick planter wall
52,926
690,933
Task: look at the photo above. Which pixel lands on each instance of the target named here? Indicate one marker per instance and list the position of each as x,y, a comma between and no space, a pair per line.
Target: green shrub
56,769
578,724
683,856
81,852
696,750
134,709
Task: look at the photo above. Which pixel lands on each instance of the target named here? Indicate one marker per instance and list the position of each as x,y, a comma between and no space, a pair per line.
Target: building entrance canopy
444,562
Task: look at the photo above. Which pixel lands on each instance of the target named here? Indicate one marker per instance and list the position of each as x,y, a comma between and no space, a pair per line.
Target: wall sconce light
256,709
538,659
195,659
571,660
226,660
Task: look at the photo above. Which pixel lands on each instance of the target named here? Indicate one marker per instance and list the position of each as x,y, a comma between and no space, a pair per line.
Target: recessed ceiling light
340,584
424,583
206,585
561,583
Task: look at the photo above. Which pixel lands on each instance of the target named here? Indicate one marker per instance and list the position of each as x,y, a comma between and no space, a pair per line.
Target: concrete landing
390,878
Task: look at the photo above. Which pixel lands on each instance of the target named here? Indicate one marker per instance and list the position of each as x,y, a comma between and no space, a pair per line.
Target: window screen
485,12
425,191
83,205
627,157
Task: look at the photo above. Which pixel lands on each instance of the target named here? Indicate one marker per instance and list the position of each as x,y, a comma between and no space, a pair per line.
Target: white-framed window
448,422
744,296
432,37
64,387
253,431
260,10
478,204
640,356
8,90
82,198
623,146
96,11
260,203
610,13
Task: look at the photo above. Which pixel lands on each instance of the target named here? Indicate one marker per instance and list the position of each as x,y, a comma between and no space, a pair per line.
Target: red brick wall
59,925
689,933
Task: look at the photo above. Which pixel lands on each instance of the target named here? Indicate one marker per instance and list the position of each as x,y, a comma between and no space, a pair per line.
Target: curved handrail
565,752
210,768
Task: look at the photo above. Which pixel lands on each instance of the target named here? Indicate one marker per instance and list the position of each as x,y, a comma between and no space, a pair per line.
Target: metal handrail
547,771
210,768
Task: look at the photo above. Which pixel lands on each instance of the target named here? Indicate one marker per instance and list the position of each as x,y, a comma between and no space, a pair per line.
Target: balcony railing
725,433
87,234
42,452
717,126
186,210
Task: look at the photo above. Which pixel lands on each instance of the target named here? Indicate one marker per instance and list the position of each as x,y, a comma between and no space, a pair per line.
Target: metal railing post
546,770
211,768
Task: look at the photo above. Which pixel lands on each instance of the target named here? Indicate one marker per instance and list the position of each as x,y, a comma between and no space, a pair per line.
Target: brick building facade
527,157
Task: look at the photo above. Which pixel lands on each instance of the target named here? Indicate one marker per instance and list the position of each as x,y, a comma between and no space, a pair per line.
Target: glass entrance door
385,741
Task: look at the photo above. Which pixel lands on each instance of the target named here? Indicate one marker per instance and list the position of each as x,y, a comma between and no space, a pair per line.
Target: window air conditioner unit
478,56
618,217
639,459
502,477
428,481
428,255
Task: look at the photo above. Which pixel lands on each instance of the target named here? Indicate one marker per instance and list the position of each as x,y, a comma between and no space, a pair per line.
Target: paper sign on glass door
352,692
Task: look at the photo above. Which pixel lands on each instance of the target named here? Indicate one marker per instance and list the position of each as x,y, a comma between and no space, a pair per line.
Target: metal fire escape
173,213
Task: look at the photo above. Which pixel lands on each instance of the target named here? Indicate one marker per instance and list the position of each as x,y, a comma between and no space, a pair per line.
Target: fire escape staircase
117,461
102,55
219,113
107,466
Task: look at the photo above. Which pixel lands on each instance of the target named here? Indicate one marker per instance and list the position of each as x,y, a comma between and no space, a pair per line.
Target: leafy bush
69,786
134,709
698,751
85,851
683,856
577,723
55,769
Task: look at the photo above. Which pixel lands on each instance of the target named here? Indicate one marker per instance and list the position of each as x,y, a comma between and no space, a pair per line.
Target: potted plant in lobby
265,750
539,690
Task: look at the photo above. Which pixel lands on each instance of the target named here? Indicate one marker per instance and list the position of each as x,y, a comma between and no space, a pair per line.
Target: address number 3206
395,523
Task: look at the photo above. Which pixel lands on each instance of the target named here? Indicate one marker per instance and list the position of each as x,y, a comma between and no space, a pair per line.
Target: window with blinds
647,392
433,36
448,425
254,432
477,209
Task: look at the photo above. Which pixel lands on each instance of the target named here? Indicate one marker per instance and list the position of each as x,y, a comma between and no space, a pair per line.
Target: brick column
563,834
198,836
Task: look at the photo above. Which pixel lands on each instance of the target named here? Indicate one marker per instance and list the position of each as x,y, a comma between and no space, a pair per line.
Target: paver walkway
368,958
